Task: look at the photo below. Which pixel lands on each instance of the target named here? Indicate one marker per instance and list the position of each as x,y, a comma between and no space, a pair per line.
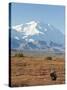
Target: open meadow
30,71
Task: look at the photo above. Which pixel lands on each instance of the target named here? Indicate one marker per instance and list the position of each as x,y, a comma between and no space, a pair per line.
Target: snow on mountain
28,28
36,35
16,38
31,40
18,28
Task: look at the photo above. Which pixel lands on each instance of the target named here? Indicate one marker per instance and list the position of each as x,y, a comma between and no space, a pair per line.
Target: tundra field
32,71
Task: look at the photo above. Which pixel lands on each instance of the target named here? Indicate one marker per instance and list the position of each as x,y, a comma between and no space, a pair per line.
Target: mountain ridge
35,35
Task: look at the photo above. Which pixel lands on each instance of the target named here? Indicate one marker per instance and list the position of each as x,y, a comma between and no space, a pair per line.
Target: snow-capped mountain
35,35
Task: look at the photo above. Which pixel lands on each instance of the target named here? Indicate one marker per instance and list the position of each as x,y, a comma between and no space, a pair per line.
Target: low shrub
19,55
49,58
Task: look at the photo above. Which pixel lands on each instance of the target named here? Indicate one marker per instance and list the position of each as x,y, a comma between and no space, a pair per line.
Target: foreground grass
26,71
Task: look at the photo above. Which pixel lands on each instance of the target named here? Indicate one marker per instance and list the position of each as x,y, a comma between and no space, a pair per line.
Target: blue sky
22,13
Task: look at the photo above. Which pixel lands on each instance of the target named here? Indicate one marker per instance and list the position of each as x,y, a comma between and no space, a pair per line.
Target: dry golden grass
28,71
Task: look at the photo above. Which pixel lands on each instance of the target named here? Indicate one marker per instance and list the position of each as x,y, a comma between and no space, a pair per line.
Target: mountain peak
28,28
35,34
31,22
